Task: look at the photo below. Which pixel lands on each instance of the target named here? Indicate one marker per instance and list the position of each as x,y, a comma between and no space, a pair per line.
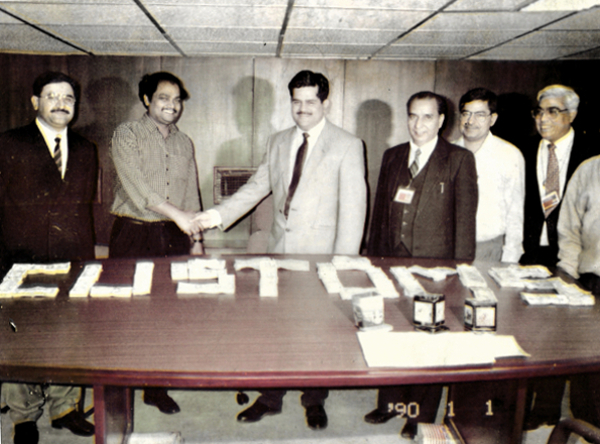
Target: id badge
404,195
550,201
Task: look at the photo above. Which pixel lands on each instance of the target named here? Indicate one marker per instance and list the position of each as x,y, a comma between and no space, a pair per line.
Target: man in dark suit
549,164
425,206
47,185
556,110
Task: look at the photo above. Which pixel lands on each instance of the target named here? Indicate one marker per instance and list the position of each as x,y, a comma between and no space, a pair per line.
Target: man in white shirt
549,164
560,149
500,179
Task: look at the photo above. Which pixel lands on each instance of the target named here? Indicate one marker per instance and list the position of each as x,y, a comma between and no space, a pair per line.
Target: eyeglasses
66,98
552,112
479,115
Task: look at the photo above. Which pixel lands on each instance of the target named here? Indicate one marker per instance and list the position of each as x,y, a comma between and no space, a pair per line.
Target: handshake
193,223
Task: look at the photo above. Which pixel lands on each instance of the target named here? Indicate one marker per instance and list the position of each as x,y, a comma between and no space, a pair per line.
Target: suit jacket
42,217
583,148
445,220
327,213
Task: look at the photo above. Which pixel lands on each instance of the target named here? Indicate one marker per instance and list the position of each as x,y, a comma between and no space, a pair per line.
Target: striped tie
58,155
552,183
414,167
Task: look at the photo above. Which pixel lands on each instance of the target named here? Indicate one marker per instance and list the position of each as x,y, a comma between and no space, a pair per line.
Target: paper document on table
416,349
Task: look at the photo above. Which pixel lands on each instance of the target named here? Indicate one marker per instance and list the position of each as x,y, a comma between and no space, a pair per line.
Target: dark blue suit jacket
444,225
42,217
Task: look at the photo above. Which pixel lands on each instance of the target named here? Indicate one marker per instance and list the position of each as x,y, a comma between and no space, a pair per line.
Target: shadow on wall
254,104
374,127
108,103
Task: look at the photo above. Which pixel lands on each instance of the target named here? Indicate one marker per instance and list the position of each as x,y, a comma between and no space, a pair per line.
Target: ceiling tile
224,16
419,5
321,18
51,13
329,51
230,49
560,38
516,52
582,20
428,51
458,37
487,5
256,35
490,20
22,38
328,36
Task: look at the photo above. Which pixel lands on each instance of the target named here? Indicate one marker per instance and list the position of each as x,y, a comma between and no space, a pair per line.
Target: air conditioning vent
228,180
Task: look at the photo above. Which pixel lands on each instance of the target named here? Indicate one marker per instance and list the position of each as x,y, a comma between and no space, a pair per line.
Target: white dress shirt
501,185
563,154
50,134
426,150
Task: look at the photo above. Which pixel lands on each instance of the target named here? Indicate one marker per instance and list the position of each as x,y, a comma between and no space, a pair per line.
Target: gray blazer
327,213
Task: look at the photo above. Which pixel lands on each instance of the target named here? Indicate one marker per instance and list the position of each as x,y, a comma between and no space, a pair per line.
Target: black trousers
313,396
136,238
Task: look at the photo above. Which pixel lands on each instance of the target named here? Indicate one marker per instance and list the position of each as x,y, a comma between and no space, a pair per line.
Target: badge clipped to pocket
404,195
550,201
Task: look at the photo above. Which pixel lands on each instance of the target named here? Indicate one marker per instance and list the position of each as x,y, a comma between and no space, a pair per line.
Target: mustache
61,110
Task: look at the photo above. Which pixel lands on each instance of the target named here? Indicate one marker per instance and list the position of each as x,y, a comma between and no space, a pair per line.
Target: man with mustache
316,173
47,185
156,188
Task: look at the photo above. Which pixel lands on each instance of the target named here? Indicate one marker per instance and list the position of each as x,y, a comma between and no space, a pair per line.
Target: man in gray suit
316,173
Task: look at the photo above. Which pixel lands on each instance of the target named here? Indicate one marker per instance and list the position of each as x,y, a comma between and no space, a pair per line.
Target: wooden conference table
303,338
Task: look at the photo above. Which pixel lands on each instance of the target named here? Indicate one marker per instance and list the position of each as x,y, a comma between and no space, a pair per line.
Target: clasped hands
193,223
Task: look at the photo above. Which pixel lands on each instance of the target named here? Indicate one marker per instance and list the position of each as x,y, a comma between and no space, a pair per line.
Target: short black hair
149,83
483,94
55,77
442,106
309,78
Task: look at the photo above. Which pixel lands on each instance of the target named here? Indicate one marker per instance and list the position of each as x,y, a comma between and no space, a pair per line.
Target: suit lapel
316,155
284,149
435,171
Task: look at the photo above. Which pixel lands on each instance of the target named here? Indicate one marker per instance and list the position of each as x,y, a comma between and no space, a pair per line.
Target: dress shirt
50,134
563,155
501,184
152,170
313,136
579,221
426,150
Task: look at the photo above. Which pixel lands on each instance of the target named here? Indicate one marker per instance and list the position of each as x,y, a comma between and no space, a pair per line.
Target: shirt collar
564,142
426,149
149,123
50,133
314,132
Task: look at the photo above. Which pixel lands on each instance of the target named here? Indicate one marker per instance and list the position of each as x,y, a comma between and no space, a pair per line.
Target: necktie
300,156
552,183
414,167
57,155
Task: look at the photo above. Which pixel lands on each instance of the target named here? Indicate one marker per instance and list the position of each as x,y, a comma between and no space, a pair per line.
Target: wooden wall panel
375,105
237,102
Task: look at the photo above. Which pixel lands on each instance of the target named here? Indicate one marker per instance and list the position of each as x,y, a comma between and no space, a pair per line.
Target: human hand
204,220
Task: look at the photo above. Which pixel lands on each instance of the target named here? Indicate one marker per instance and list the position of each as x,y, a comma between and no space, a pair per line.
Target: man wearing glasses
500,179
547,172
47,186
548,169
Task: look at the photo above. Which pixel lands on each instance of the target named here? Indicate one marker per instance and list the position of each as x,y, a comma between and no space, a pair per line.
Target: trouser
310,397
27,400
136,238
591,282
417,403
490,250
